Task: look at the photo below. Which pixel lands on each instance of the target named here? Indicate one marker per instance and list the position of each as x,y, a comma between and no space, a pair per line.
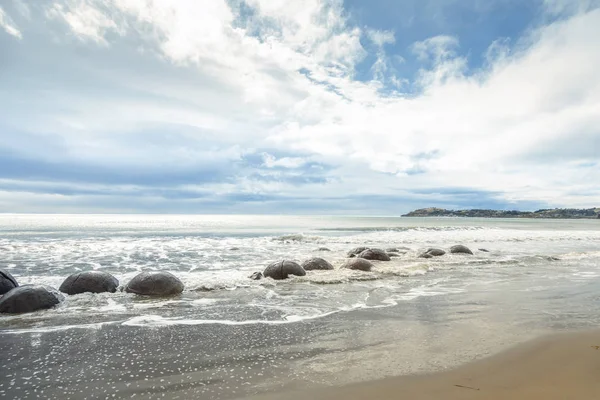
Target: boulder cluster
17,299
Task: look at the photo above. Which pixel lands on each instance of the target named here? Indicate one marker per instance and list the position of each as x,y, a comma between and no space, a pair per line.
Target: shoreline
559,366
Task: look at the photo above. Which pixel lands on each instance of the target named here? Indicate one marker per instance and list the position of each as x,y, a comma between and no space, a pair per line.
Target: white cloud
8,25
283,77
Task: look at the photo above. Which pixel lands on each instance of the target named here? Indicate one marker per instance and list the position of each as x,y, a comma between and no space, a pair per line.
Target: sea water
407,315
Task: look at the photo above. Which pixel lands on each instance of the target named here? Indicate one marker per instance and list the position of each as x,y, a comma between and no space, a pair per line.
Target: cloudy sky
298,106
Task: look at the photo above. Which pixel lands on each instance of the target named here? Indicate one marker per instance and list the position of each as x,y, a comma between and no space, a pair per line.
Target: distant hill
556,213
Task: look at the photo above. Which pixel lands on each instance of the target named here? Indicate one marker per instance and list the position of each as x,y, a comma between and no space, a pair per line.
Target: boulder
158,283
29,298
283,269
256,276
356,251
425,255
374,254
89,281
7,282
360,264
435,252
323,249
460,249
316,263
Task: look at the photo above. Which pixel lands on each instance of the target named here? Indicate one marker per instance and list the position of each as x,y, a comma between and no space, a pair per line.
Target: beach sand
561,367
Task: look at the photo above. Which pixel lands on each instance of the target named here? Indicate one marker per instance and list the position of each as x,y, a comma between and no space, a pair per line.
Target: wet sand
565,366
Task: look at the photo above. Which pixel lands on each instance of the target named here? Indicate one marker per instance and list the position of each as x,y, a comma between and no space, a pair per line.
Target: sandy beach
561,367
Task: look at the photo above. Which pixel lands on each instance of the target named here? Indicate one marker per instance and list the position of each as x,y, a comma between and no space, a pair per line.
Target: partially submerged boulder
159,283
435,252
356,251
283,269
89,281
360,264
374,254
7,282
460,249
29,298
425,255
316,263
256,276
323,249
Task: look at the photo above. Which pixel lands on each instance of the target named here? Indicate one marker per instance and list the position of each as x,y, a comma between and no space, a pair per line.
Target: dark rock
7,282
323,249
356,251
89,281
316,263
425,255
158,283
256,276
460,249
29,298
484,250
234,248
360,264
283,269
435,252
374,254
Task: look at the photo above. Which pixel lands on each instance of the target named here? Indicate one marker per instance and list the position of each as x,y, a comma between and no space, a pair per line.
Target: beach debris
460,249
7,282
596,347
89,282
159,283
316,263
374,254
29,298
283,269
360,264
256,276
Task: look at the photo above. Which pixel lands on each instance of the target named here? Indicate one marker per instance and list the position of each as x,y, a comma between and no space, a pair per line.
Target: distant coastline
556,213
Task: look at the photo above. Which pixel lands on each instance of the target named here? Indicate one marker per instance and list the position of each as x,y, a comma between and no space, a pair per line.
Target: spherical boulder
316,263
29,298
435,252
160,283
356,251
360,264
460,249
89,281
283,269
374,254
7,282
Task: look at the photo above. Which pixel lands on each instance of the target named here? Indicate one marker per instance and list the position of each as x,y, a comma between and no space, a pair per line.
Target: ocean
228,336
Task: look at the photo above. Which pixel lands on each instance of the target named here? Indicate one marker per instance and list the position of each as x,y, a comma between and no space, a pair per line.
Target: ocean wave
404,229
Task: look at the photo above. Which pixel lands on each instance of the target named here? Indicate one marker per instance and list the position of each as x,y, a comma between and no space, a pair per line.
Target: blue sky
301,106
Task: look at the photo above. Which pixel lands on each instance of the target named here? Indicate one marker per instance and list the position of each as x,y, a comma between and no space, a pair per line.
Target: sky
298,106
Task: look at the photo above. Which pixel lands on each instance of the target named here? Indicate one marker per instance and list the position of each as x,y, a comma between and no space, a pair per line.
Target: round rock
356,251
89,281
283,269
435,252
316,263
374,254
7,282
358,264
159,283
29,298
460,249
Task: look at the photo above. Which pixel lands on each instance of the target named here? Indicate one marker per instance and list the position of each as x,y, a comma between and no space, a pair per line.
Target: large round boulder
435,252
160,283
356,251
29,298
89,281
283,269
374,254
316,263
7,282
360,264
460,249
